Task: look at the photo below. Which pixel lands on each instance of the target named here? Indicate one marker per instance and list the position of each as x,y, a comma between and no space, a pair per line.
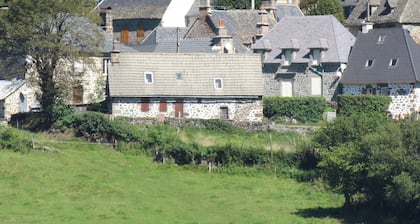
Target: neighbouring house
304,56
172,40
16,97
245,26
200,86
176,13
386,61
386,13
130,21
348,6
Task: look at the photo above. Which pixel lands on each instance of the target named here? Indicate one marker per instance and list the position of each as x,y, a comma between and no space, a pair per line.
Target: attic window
218,83
369,63
393,62
148,77
381,39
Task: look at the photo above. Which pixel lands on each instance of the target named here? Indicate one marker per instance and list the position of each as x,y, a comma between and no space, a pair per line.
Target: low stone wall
248,126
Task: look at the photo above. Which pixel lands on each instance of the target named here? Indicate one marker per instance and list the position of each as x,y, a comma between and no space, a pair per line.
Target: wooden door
179,109
224,113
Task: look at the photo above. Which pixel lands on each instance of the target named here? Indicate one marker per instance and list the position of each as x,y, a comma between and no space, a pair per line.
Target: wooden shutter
163,106
140,34
145,105
124,36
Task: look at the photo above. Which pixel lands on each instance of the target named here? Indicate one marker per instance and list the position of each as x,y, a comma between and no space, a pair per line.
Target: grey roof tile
8,87
241,74
397,44
303,33
131,9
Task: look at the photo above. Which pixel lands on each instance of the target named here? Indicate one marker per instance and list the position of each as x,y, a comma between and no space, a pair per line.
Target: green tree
237,4
50,34
323,7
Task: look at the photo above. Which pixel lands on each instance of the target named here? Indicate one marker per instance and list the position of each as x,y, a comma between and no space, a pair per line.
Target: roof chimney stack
204,8
107,20
115,53
225,40
263,26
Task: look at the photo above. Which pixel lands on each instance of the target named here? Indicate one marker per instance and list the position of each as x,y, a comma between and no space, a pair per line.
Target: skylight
369,63
393,62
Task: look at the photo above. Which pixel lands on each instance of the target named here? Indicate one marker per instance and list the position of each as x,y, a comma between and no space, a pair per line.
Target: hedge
349,105
303,109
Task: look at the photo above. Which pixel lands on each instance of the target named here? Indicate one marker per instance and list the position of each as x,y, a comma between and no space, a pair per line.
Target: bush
12,139
365,104
303,109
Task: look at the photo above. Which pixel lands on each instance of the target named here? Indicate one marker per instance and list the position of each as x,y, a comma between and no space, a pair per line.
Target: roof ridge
405,33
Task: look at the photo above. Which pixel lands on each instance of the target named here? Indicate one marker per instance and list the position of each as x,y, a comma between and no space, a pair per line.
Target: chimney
262,25
115,53
225,40
252,4
269,6
204,8
107,20
366,26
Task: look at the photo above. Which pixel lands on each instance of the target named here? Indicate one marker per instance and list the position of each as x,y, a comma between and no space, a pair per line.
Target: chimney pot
221,23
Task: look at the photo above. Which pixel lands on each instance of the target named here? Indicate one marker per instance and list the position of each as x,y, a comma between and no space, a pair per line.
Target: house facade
304,56
385,61
202,86
385,13
16,97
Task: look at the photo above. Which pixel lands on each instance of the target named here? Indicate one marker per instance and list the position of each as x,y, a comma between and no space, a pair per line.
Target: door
316,86
179,109
224,113
287,87
23,103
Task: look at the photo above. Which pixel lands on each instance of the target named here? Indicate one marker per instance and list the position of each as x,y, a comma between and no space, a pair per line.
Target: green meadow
85,183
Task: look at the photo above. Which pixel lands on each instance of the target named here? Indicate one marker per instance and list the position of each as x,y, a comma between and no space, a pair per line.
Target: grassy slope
91,184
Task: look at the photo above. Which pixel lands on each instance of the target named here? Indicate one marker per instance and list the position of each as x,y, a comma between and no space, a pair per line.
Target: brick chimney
107,20
115,53
204,8
224,40
262,25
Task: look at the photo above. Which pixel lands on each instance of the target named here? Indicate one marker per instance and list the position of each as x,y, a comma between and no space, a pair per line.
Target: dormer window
287,57
393,62
218,83
148,77
381,39
315,56
369,63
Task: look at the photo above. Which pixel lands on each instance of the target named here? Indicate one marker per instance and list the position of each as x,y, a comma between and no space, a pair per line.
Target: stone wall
405,97
238,109
11,105
301,75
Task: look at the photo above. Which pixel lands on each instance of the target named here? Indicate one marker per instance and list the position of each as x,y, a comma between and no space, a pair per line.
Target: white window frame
216,85
371,64
381,39
393,65
146,80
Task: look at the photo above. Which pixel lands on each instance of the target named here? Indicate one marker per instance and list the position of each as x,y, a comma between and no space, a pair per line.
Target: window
218,83
148,77
179,76
140,34
369,63
381,39
393,62
124,36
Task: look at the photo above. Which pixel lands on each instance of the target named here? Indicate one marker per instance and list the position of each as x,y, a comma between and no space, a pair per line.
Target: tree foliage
50,35
323,7
373,159
236,4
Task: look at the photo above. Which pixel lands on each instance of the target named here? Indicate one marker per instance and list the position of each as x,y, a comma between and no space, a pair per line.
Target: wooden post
271,148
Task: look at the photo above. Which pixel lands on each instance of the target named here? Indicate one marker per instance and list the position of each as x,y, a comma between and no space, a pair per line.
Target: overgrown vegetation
301,109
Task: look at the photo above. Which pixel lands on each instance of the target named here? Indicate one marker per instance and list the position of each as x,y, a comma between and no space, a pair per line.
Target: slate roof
397,44
135,9
241,75
304,33
240,24
388,11
283,10
8,87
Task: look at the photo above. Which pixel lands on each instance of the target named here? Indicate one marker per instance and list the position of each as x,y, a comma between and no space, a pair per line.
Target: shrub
303,109
11,139
365,104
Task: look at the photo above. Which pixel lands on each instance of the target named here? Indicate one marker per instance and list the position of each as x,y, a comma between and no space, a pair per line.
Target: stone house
386,13
244,26
130,21
199,85
16,97
304,56
385,61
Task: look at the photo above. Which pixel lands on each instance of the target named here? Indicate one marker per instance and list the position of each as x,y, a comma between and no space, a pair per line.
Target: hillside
94,184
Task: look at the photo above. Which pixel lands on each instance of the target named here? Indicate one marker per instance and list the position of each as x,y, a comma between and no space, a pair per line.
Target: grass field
95,184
